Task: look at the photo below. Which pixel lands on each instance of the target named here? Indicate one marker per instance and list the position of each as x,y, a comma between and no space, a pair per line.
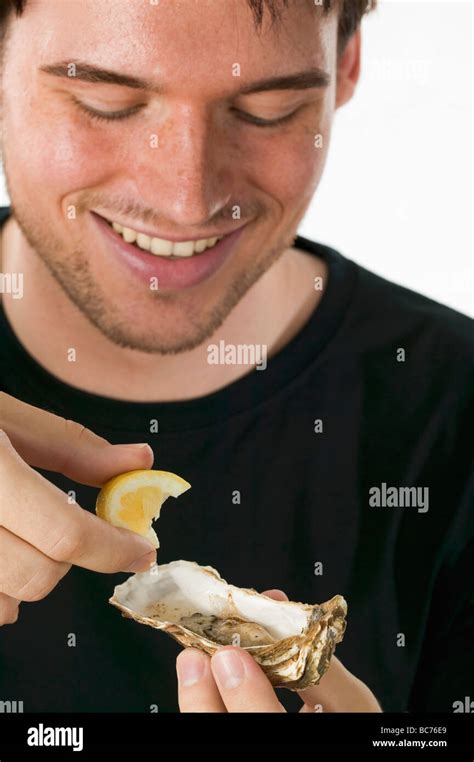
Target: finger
197,689
339,691
278,595
41,515
326,695
242,683
25,573
9,609
48,441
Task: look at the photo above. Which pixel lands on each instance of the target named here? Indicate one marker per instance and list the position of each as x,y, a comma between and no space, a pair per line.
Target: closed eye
108,116
259,122
115,116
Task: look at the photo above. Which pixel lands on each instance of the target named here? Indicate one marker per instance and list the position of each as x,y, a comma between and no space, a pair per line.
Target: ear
348,70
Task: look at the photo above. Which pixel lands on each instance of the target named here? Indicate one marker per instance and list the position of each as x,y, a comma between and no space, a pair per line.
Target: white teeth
162,248
144,241
183,249
199,246
129,235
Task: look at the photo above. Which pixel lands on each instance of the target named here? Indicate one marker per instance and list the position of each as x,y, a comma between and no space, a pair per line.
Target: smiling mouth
161,247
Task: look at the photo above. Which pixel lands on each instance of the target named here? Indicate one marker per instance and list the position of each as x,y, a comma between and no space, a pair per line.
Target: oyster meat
292,642
233,631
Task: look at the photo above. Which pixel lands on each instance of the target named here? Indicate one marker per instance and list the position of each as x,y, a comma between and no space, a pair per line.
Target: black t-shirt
376,389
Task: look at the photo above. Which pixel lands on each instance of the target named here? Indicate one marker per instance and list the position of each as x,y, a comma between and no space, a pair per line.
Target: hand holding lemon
43,533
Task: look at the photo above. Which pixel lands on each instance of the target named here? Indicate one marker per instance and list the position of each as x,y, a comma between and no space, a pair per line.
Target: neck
48,325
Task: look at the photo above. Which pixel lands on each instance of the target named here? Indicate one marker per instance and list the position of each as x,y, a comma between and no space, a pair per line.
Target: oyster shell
292,642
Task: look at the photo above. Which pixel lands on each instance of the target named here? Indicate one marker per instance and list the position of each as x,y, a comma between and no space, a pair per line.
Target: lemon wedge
133,500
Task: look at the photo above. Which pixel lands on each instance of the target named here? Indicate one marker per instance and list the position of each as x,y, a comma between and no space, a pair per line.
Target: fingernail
134,446
190,667
143,563
228,669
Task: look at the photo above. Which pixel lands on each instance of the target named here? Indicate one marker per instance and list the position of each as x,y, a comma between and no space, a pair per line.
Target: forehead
193,44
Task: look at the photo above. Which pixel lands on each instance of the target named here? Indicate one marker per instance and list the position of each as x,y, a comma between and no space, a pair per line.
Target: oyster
292,642
228,632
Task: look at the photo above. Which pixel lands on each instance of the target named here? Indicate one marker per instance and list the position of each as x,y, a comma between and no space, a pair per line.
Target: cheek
289,168
288,165
56,147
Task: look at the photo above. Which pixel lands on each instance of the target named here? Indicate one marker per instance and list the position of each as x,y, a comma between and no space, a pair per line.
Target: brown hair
351,12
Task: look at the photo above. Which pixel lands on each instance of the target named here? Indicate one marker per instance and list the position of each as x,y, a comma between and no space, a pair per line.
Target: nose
188,178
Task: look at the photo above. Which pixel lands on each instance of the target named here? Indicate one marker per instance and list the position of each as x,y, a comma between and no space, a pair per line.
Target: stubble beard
72,272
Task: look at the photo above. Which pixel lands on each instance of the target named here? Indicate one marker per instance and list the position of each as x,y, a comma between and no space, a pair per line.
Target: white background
396,195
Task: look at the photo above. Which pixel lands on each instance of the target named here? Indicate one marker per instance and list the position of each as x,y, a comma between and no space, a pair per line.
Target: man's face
183,163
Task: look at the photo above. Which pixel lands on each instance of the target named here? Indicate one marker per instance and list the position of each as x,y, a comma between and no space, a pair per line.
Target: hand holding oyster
292,642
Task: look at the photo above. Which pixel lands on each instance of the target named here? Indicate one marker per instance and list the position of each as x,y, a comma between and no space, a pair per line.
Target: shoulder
381,314
407,312
412,356
416,358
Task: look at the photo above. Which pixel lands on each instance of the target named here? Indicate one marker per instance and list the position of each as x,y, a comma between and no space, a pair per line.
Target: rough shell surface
293,642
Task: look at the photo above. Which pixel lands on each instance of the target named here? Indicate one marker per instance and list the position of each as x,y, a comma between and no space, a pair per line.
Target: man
334,459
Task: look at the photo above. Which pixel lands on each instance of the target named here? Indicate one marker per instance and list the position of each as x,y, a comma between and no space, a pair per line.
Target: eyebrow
302,80
85,72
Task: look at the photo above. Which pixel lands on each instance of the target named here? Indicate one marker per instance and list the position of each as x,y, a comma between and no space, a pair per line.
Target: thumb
278,595
54,443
